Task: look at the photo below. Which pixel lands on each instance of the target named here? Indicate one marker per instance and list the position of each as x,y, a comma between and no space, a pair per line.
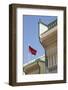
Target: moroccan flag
32,50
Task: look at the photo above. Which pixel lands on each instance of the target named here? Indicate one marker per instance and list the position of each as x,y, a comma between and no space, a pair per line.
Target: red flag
32,50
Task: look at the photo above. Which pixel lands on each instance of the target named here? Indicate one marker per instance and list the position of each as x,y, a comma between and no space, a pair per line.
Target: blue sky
31,35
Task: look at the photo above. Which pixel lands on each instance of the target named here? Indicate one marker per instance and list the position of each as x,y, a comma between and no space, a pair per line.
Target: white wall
4,47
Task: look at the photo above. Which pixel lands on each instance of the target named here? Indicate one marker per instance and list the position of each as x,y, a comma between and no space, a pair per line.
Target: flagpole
29,54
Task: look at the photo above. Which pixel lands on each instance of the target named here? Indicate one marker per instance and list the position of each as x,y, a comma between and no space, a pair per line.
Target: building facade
49,42
35,67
